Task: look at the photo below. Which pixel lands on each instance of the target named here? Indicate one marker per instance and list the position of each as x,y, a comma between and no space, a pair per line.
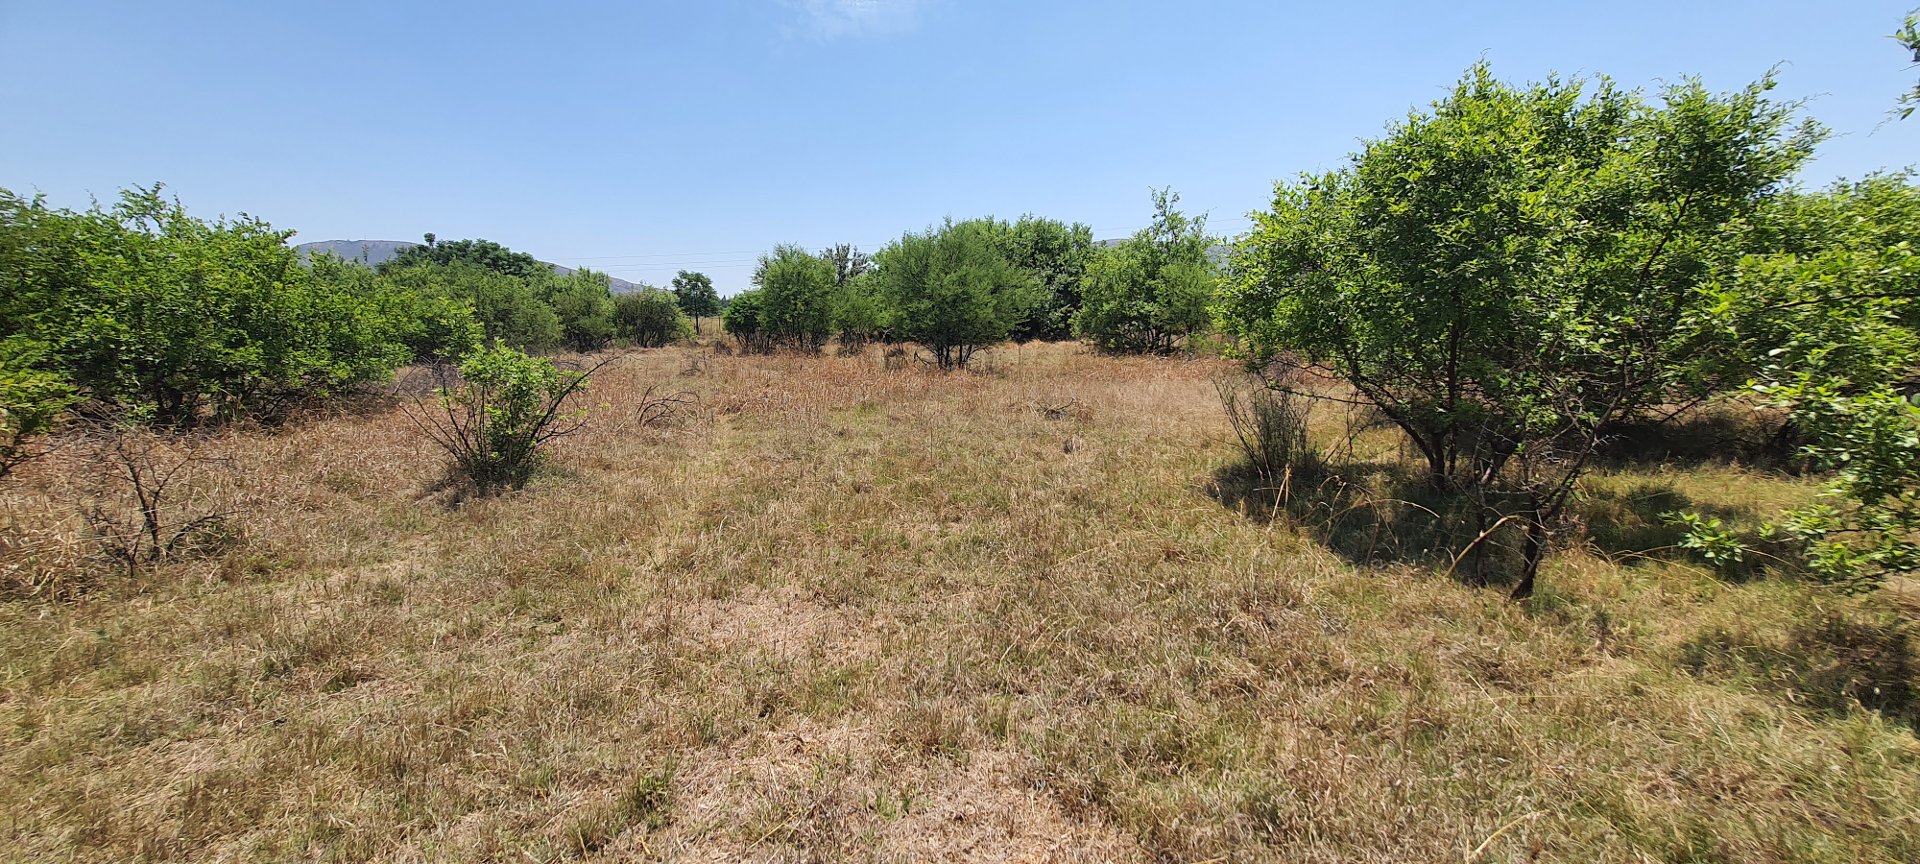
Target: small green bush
651,318
498,415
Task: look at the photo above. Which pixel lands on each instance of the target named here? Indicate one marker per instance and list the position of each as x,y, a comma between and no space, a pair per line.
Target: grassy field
845,613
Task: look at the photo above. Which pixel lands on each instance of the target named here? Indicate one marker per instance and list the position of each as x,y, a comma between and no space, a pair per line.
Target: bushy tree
508,308
696,296
146,307
431,325
582,302
742,320
1507,274
481,253
860,314
1056,255
651,318
1828,327
796,298
952,289
1150,292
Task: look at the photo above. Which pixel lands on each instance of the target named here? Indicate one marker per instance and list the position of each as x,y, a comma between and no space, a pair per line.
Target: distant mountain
373,253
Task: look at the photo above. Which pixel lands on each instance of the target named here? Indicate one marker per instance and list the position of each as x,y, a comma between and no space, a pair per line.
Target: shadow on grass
1832,663
1722,435
1383,514
1376,514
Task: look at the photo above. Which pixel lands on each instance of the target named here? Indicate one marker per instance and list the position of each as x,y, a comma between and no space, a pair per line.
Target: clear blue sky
639,138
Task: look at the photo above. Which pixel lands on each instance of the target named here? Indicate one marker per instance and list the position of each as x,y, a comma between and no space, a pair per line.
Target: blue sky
640,138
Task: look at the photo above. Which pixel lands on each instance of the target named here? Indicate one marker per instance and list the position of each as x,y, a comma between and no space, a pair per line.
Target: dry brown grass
841,613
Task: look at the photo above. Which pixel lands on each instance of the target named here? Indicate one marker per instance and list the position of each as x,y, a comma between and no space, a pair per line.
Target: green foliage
1056,255
953,290
582,301
1150,292
1909,38
480,253
31,402
1506,275
695,294
498,417
796,298
860,314
651,317
1828,327
507,308
431,325
145,307
742,320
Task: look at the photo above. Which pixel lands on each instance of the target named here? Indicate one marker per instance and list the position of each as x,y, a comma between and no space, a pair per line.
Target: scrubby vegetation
302,559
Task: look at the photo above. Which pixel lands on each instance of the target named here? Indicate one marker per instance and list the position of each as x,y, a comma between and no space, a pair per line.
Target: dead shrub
1270,424
148,496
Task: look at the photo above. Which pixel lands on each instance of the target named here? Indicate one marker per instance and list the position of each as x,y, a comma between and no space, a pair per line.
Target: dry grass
840,613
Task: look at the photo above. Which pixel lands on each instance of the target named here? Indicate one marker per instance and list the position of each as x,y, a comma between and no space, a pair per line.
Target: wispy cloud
836,19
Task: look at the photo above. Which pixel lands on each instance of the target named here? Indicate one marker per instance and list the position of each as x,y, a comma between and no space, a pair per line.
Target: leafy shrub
651,318
582,301
31,402
742,319
498,415
508,308
952,289
142,305
1150,292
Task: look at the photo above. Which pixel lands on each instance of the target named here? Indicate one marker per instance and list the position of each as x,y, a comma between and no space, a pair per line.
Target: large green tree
694,292
582,301
1505,275
796,297
1827,325
483,253
952,289
1150,292
508,308
1056,254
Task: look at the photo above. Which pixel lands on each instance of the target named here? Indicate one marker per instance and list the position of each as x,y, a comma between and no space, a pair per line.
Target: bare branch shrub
1270,422
146,494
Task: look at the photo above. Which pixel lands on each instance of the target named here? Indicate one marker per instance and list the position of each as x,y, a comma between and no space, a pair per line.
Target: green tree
1509,273
483,253
1150,292
742,318
1056,255
696,295
146,307
952,289
651,318
796,297
431,325
582,301
507,307
1828,327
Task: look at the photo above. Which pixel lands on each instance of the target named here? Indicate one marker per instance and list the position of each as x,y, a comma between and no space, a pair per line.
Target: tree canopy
1509,272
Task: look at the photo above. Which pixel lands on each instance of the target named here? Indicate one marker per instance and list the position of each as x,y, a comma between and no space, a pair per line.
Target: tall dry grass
846,613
